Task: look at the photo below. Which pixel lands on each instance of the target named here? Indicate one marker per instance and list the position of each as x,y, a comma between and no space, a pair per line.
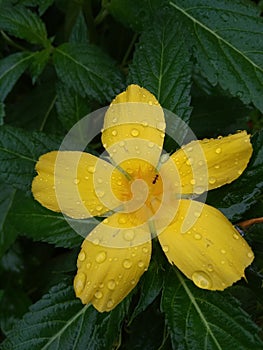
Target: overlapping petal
134,126
112,259
210,251
75,183
211,163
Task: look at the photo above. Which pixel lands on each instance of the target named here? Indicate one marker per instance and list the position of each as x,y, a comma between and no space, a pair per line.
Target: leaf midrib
218,37
16,64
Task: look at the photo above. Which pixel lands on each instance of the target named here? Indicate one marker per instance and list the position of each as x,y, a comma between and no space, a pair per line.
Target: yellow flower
148,194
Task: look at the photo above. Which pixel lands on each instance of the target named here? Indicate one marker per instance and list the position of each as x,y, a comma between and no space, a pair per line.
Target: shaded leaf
79,33
59,320
11,68
2,113
88,70
19,151
227,41
199,319
23,23
38,63
162,65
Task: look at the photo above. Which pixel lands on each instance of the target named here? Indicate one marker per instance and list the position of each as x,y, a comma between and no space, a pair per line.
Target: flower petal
208,164
77,184
134,126
112,259
210,251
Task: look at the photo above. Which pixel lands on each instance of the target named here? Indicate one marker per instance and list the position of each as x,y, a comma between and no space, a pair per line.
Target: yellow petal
77,184
134,126
208,164
204,245
112,259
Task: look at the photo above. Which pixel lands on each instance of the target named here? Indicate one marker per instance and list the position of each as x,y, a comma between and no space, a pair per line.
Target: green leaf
38,63
24,24
227,41
27,217
2,113
7,237
199,319
43,5
71,106
235,199
11,68
79,33
88,70
60,321
161,65
19,151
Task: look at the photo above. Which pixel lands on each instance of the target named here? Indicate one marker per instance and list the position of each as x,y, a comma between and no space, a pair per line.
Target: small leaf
7,237
11,68
60,321
199,319
24,24
27,217
227,41
38,63
235,199
79,33
19,151
88,70
71,106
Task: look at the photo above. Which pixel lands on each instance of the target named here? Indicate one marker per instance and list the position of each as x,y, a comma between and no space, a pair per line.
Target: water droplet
210,267
235,236
217,166
199,189
99,207
100,194
96,241
82,256
101,257
129,235
201,280
218,150
197,214
76,181
150,103
110,304
160,126
114,132
133,281
91,169
122,220
165,248
197,236
212,180
250,255
200,162
80,282
223,251
145,250
192,182
144,123
190,161
88,266
98,294
141,264
223,262
135,132
100,180
111,284
240,172
127,264
150,144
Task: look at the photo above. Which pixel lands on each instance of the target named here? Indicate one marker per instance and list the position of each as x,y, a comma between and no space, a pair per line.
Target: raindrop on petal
165,248
201,279
127,264
76,181
98,294
218,150
82,256
111,284
79,282
101,257
135,132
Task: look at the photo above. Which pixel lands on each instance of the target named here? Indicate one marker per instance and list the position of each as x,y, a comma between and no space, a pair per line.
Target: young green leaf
19,151
38,63
79,32
162,65
60,321
11,68
88,70
227,41
24,24
7,237
199,319
71,106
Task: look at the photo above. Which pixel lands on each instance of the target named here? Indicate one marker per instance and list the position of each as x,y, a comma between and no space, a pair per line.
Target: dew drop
235,236
129,235
218,150
141,264
199,189
250,255
114,132
197,214
165,248
82,256
223,262
127,264
212,180
150,103
96,241
100,194
111,284
160,126
189,161
91,169
217,166
145,250
210,267
122,220
192,182
110,304
101,257
223,251
80,282
201,280
100,180
135,132
197,236
99,207
240,172
76,181
144,123
150,144
88,266
98,294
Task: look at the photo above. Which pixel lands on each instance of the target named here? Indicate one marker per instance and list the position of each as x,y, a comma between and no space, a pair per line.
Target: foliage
60,60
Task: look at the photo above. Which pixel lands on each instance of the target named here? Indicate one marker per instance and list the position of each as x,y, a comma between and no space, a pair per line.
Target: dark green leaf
2,113
11,68
235,199
199,319
38,63
28,217
161,64
60,321
22,23
227,40
19,150
43,5
71,106
88,70
79,33
7,237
